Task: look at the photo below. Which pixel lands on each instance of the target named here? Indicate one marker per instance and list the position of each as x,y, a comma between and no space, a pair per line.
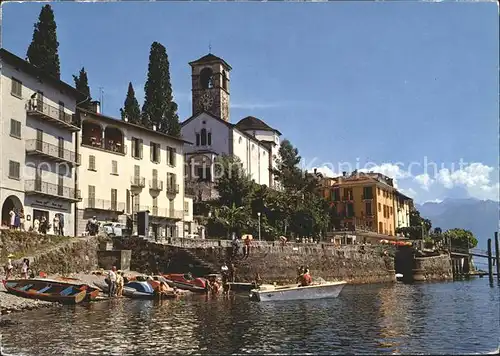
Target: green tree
159,108
232,182
419,227
43,49
82,85
233,218
460,238
131,108
287,172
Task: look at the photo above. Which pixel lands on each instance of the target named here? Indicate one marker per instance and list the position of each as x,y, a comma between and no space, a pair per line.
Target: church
212,133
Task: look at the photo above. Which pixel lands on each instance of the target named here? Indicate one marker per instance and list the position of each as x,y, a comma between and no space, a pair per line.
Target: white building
128,168
253,141
37,146
402,207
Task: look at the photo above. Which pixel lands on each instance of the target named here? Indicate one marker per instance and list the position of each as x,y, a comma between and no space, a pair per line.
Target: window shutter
158,152
133,146
151,151
140,148
174,152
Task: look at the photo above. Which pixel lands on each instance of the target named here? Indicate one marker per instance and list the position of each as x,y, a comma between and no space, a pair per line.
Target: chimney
95,106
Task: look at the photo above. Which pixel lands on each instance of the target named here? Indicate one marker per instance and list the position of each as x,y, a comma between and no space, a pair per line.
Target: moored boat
187,282
138,290
293,292
91,291
241,287
50,291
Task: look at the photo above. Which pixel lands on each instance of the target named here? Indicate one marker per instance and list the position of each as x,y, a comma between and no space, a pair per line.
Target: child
9,267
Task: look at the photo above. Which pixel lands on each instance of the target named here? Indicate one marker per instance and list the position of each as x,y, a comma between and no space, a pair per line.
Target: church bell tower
210,86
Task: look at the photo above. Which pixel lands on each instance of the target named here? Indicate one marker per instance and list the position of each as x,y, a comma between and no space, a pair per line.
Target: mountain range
481,217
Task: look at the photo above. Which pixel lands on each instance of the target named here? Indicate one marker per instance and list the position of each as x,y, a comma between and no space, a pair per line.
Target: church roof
253,123
210,58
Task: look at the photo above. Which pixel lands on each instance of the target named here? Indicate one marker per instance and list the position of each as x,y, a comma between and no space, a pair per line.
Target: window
390,210
60,147
114,194
368,208
197,139
155,207
155,152
379,207
336,194
209,139
171,156
203,137
378,191
61,111
171,182
171,207
367,193
137,148
137,203
15,128
350,210
17,88
91,196
240,140
14,170
127,200
137,171
114,167
92,163
186,207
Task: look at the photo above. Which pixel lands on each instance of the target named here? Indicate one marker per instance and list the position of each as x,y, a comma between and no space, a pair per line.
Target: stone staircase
200,267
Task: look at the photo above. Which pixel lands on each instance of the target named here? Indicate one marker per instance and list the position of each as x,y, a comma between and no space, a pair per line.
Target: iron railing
156,184
38,106
137,181
51,150
101,204
163,212
39,186
172,188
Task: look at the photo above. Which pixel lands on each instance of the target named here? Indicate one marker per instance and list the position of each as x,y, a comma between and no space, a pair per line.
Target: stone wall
50,254
272,261
434,268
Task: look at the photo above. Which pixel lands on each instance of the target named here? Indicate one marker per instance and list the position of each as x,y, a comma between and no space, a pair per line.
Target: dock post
490,262
497,255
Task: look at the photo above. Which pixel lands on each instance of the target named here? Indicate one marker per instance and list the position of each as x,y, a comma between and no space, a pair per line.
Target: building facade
128,168
38,128
209,128
366,201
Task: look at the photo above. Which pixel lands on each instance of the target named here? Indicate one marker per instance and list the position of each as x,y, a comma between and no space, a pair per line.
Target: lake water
435,318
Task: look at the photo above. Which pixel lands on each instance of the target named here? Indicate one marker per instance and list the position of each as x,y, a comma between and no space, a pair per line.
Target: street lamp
258,214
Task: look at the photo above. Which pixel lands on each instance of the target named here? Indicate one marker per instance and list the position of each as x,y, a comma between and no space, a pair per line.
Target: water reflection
439,318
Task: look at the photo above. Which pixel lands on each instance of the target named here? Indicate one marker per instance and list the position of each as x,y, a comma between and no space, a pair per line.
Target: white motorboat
267,293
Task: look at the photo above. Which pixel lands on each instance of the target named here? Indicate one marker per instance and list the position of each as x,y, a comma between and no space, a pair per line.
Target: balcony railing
37,186
172,188
100,204
108,146
156,184
139,182
163,212
37,107
53,151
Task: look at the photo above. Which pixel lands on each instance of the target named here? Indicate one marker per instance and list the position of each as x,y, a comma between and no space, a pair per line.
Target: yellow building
362,201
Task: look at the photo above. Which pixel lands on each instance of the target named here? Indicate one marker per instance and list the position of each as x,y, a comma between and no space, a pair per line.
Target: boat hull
326,290
14,287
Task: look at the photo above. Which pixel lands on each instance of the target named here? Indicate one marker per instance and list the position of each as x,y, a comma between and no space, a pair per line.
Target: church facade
210,130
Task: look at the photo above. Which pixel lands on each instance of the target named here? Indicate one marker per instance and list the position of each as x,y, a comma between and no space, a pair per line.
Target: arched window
197,139
224,80
203,137
209,139
206,78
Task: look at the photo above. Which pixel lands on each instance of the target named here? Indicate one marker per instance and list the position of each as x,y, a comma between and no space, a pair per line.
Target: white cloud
410,192
325,171
390,170
424,180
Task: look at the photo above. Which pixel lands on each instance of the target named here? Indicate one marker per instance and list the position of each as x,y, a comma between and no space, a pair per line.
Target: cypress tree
159,108
82,85
131,108
42,52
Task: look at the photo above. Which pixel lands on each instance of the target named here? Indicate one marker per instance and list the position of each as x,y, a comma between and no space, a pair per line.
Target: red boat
187,282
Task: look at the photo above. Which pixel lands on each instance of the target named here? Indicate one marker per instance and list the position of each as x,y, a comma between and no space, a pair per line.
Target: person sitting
300,273
306,279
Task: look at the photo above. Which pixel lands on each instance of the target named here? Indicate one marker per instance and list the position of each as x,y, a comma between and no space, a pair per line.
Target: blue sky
352,82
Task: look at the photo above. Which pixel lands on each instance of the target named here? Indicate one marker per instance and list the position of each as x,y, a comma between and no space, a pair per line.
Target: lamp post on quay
258,214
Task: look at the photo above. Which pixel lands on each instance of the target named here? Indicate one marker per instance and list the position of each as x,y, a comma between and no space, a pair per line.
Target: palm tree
232,218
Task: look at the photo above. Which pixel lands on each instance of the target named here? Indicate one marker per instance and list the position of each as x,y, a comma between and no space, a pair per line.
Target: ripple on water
384,319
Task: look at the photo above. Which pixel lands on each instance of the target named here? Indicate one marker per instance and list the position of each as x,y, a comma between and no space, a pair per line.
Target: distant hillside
479,216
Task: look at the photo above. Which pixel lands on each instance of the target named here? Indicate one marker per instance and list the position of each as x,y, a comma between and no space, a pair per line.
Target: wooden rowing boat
50,291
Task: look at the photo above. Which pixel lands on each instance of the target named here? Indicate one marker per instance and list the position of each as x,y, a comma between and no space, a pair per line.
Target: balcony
37,186
53,152
137,182
57,116
110,140
100,204
156,185
163,213
172,188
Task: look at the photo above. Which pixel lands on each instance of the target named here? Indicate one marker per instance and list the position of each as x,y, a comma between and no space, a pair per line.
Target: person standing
112,281
119,283
12,215
8,266
61,224
55,222
24,268
22,220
